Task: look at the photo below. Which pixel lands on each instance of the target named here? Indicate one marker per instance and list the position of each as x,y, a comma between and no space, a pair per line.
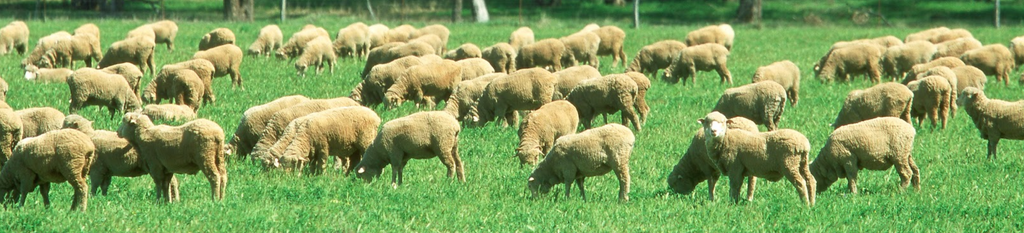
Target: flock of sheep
551,83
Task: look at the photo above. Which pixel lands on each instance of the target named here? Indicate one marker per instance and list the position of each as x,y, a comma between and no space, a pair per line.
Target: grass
961,190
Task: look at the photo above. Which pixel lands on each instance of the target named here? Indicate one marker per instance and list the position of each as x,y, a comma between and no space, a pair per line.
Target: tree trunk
240,10
480,11
636,14
284,5
749,11
456,11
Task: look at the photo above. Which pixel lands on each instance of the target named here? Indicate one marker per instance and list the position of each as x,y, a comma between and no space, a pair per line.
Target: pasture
960,188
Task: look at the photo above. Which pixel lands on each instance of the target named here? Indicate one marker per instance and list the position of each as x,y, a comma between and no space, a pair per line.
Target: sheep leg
173,189
692,75
711,187
933,114
622,172
915,179
993,141
98,176
579,183
793,97
851,176
460,171
448,160
944,109
751,185
723,73
903,169
629,113
44,192
809,182
212,173
795,177
397,163
735,184
236,78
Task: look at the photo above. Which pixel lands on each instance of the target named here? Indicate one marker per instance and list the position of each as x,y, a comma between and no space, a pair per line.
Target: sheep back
875,144
761,102
593,152
882,100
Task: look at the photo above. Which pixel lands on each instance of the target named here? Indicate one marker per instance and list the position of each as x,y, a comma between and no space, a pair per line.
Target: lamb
696,166
10,134
268,41
420,135
226,59
567,79
521,37
1017,47
380,79
994,59
217,37
94,87
540,129
898,60
841,63
54,157
438,30
995,119
704,57
546,52
589,153
761,102
882,100
612,39
254,121
315,138
526,89
875,144
955,48
14,37
950,62
654,57
135,50
204,69
317,53
715,34
293,47
786,73
435,42
275,125
932,98
474,67
129,71
169,112
969,76
164,32
951,35
925,35
166,150
466,95
768,155
183,86
65,50
47,75
352,41
36,121
464,51
502,57
425,84
605,95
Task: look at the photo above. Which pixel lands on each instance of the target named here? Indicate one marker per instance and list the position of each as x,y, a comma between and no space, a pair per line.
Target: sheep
253,122
164,32
168,112
714,34
36,121
969,76
696,166
704,57
466,95
464,51
391,51
381,77
144,32
567,79
786,73
612,39
204,69
10,134
546,52
955,48
768,155
94,87
420,135
293,47
540,129
521,37
317,53
1017,47
761,102
474,67
14,37
882,100
593,152
226,59
352,41
884,41
47,75
378,35
604,95
643,84
432,40
654,57
182,86
135,50
54,157
898,60
995,119
276,123
43,47
526,89
932,98
854,59
191,147
438,30
402,33
129,71
925,35
217,37
65,50
267,42
952,34
425,84
316,137
502,57
875,144
590,27
994,59
583,46
950,62
945,73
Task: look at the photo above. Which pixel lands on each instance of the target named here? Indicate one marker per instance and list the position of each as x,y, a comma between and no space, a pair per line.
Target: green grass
961,190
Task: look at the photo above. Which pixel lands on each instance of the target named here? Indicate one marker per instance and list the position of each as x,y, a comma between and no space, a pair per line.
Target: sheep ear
729,121
361,170
700,121
531,179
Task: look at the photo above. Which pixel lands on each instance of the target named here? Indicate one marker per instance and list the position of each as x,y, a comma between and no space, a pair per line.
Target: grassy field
961,190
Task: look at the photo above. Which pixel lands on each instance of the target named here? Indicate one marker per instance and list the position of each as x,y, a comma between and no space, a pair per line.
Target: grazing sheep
969,76
844,62
36,121
204,69
884,41
950,62
583,46
955,48
786,73
43,47
715,34
317,53
268,41
94,87
169,112
129,71
275,126
432,40
925,35
135,50
391,51
352,41
898,60
474,67
546,52
464,51
466,94
421,135
226,60
293,47
66,50
254,121
1017,47
47,75
438,30
932,96
567,79
994,59
761,102
540,129
502,57
217,37
995,119
194,146
521,37
315,137
605,95
182,86
612,39
10,134
769,155
640,103
164,32
696,166
654,57
590,27
946,73
952,34
875,144
378,35
381,77
54,157
589,153
426,84
882,100
526,89
14,37
704,57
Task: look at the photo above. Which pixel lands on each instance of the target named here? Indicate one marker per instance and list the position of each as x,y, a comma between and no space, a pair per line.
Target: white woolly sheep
315,137
951,62
612,40
352,41
543,53
526,89
164,32
293,47
466,95
1017,47
969,76
433,40
715,34
10,134
42,48
654,57
875,144
135,50
318,53
169,112
882,100
129,71
264,149
254,121
926,34
521,37
14,37
204,69
66,50
567,79
217,37
955,48
36,121
540,129
421,135
464,51
182,86
995,119
590,27
946,73
589,153
786,73
226,60
932,98
583,46
502,57
696,166
378,35
94,87
761,102
952,34
381,77
267,42
54,157
994,59
474,67
854,59
704,57
898,60
391,51
606,95
436,29
194,146
643,84
47,75
426,84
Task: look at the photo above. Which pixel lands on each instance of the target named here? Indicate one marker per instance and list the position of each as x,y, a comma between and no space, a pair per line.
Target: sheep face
540,186
968,95
130,122
715,124
290,162
824,179
368,173
301,69
393,99
528,155
682,185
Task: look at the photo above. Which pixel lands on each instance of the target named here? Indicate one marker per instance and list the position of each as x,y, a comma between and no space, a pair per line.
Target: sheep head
48,60
393,99
715,124
681,184
75,121
528,155
970,95
300,68
131,123
31,71
540,185
367,173
822,178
